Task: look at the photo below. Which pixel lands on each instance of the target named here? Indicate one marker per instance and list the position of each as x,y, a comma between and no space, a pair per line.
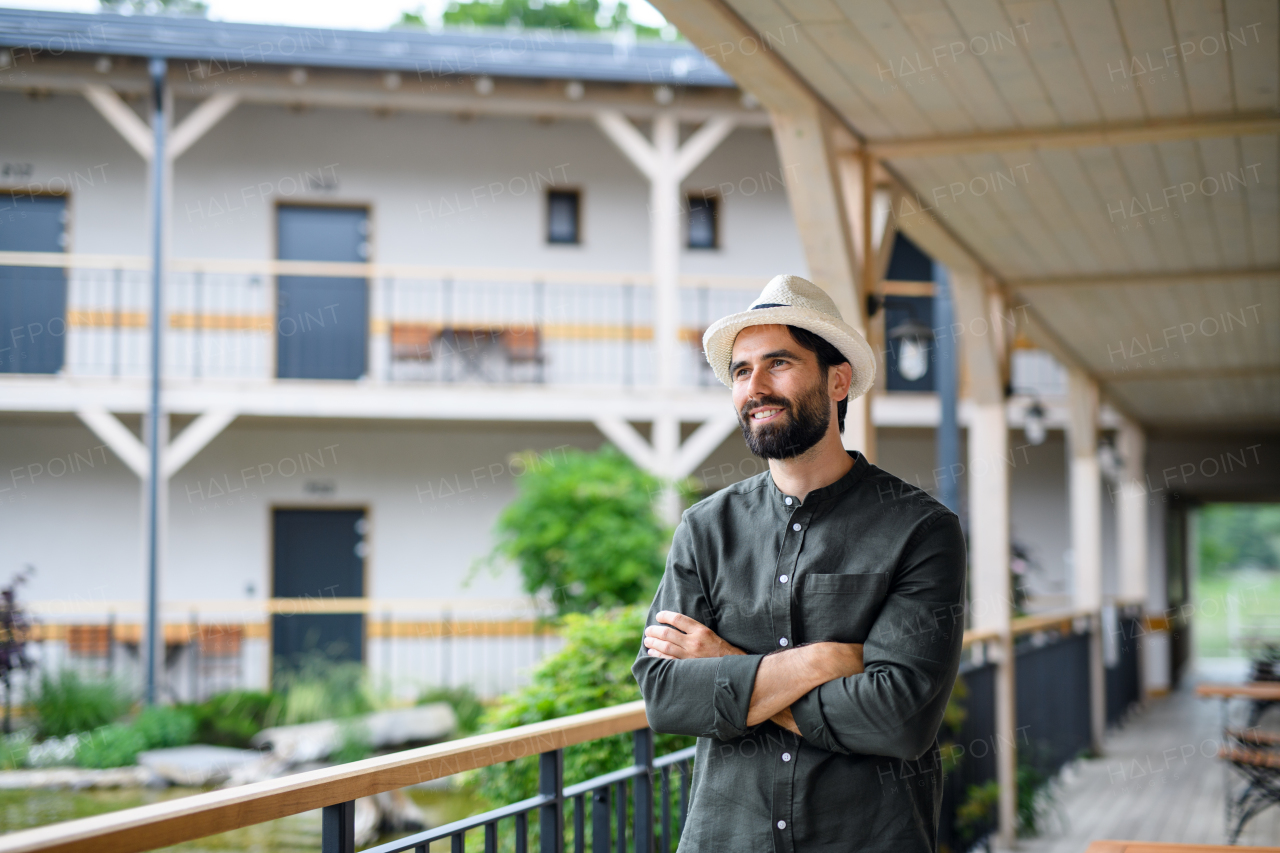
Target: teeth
761,415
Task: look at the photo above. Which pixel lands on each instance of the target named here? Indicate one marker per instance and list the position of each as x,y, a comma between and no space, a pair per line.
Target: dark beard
806,423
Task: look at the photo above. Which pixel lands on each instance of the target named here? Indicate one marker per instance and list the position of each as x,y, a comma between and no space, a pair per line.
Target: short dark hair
828,357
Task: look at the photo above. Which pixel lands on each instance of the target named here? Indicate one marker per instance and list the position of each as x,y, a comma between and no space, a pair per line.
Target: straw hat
793,301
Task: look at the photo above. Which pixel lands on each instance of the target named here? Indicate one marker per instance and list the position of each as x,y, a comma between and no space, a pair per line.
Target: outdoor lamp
1033,423
913,339
1109,461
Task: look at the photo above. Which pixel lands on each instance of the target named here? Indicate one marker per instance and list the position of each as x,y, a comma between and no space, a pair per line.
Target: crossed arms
782,678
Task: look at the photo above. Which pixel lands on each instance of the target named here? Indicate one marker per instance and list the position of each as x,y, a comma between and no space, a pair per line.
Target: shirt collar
839,487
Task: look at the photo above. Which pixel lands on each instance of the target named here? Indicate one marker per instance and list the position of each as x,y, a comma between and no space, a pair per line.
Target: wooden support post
1086,532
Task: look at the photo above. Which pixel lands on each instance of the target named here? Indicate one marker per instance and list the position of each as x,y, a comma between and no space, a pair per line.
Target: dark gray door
318,554
33,300
322,323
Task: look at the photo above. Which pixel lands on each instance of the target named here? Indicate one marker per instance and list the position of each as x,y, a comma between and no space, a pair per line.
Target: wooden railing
335,789
1160,847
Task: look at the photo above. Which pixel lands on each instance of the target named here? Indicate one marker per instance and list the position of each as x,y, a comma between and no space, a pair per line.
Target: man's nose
758,385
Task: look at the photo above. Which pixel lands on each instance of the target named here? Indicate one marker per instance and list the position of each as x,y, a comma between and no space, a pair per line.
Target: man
808,626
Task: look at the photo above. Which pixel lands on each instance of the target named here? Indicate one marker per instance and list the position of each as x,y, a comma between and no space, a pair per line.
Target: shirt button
795,526
786,756
782,824
782,579
788,501
783,641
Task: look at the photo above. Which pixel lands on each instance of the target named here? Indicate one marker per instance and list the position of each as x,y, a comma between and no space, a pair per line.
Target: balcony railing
234,319
640,807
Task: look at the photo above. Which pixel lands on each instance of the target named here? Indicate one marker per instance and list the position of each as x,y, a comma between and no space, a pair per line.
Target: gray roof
555,54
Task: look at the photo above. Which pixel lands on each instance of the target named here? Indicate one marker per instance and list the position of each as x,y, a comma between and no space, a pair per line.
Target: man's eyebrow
778,353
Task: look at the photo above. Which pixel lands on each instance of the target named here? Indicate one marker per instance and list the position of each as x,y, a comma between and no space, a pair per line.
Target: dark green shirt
869,559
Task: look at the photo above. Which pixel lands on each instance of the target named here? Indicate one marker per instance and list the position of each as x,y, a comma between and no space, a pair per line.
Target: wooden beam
1143,375
1137,133
1126,280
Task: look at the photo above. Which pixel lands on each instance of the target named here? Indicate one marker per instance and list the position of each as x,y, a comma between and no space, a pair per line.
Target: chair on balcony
1254,754
217,660
91,645
523,345
413,341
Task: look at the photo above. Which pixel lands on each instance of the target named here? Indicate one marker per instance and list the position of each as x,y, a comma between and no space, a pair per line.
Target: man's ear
839,378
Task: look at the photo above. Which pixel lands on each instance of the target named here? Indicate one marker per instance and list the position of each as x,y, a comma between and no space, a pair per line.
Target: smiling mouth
765,414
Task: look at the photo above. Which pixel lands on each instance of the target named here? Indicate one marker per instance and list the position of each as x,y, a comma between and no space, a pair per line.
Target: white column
1132,514
664,242
1086,531
992,587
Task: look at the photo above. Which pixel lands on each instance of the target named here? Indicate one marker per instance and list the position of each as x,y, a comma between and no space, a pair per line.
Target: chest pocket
840,608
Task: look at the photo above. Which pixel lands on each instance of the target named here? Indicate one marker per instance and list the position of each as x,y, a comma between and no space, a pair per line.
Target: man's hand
833,660
685,638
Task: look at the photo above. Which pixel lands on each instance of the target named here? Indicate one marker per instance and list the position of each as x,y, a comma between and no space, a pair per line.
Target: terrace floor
1144,789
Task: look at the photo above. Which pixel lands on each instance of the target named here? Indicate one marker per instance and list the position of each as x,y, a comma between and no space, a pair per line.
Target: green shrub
114,745
234,717
14,748
583,530
354,743
591,671
467,707
162,727
979,813
323,690
66,702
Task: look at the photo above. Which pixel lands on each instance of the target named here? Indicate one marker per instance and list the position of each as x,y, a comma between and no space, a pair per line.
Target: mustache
767,400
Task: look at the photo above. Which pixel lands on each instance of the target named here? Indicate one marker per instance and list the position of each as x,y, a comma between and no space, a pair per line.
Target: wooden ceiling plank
999,245
1206,76
1089,250
1150,40
1018,212
1263,196
1111,184
1076,194
1220,190
1095,32
1142,166
1055,61
1255,68
1010,71
812,11
894,46
900,112
1180,162
932,24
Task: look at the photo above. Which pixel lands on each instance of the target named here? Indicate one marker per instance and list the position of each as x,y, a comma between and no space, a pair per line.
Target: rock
77,778
390,811
313,741
198,764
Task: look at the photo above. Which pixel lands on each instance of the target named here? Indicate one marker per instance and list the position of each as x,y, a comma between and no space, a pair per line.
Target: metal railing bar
607,779
474,822
579,824
676,757
620,809
522,832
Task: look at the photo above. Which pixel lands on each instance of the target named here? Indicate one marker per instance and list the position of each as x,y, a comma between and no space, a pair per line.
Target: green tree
583,530
581,15
196,8
1233,536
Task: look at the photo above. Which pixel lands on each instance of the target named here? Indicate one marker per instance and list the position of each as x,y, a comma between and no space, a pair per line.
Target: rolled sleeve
911,657
705,697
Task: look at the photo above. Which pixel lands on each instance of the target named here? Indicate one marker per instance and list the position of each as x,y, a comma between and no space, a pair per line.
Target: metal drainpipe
158,69
948,458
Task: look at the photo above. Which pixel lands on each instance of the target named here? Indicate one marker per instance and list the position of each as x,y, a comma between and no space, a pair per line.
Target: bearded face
777,427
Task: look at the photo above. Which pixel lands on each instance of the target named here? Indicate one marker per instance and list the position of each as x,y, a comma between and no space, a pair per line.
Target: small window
562,217
702,222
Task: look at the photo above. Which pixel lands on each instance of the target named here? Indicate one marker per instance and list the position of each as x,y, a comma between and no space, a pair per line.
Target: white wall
416,171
